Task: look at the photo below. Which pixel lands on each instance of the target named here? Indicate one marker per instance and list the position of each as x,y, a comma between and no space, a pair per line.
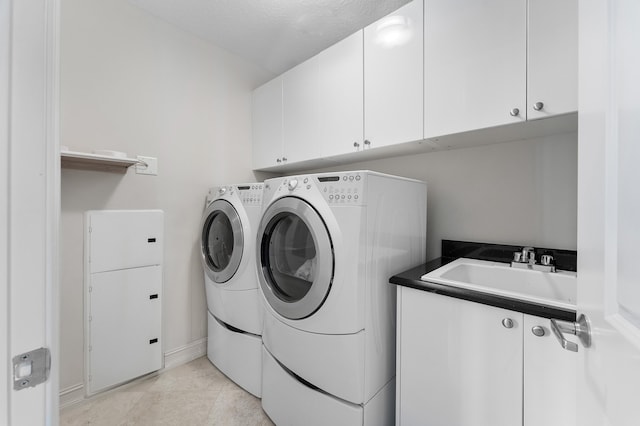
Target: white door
29,200
608,211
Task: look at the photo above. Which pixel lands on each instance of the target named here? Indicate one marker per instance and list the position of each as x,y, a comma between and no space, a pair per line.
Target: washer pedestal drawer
236,354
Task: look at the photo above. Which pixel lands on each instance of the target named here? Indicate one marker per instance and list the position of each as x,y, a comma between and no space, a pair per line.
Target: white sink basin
556,289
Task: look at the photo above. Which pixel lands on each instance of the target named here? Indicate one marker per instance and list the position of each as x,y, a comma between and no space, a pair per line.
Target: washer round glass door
222,241
296,258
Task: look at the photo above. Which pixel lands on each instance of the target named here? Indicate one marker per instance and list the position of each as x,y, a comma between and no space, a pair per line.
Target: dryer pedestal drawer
287,401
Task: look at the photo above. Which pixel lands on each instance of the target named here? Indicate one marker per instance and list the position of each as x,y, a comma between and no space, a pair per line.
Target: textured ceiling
273,34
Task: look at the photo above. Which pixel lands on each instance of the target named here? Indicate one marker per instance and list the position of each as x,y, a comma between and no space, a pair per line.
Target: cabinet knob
507,323
356,145
284,159
538,106
538,331
514,112
367,143
278,160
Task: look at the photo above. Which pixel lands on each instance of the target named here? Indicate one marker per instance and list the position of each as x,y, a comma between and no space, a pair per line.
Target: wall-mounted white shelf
86,161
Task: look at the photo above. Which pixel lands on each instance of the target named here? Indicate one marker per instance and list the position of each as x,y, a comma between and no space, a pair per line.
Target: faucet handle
546,259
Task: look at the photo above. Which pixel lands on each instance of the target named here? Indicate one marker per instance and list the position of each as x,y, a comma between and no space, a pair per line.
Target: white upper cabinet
340,96
474,63
553,58
267,124
393,77
300,102
498,62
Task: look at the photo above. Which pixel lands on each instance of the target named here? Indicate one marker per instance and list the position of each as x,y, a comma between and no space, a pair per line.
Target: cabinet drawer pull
153,296
152,341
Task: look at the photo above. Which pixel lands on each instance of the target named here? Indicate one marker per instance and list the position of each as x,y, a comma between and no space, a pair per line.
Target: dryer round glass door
295,256
222,241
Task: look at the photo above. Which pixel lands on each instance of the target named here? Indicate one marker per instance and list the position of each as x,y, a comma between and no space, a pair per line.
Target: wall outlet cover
150,166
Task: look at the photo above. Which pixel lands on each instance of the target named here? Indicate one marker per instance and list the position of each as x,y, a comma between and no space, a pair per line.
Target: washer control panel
250,194
344,188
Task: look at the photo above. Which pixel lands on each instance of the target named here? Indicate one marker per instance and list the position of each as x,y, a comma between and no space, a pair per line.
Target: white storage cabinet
341,109
393,77
467,364
267,124
498,62
123,296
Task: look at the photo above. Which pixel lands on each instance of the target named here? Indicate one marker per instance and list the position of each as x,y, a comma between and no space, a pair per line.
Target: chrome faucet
526,259
529,255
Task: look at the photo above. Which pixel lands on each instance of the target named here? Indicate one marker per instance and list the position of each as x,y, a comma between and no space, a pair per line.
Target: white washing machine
229,225
327,245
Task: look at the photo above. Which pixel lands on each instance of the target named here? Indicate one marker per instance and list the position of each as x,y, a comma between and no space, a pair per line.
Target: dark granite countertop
411,278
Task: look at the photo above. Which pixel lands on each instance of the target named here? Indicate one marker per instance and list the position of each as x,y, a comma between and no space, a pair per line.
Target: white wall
132,83
522,192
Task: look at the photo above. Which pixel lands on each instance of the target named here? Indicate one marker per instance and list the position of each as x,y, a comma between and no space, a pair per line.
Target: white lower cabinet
462,363
550,377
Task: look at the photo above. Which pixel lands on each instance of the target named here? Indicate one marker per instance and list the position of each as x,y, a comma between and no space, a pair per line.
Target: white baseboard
186,353
173,358
71,395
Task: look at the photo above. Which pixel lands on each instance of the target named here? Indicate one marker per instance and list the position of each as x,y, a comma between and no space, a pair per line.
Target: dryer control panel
344,188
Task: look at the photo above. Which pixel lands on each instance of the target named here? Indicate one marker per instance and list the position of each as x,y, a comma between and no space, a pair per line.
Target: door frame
29,144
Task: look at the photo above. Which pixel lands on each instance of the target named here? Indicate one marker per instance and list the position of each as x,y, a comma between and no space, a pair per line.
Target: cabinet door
475,64
549,377
457,363
341,91
124,325
393,77
267,124
300,100
553,57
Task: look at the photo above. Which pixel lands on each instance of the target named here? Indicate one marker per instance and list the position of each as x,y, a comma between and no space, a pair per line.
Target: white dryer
327,245
228,235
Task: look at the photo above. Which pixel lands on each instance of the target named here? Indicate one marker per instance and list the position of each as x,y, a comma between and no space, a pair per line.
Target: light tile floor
193,394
